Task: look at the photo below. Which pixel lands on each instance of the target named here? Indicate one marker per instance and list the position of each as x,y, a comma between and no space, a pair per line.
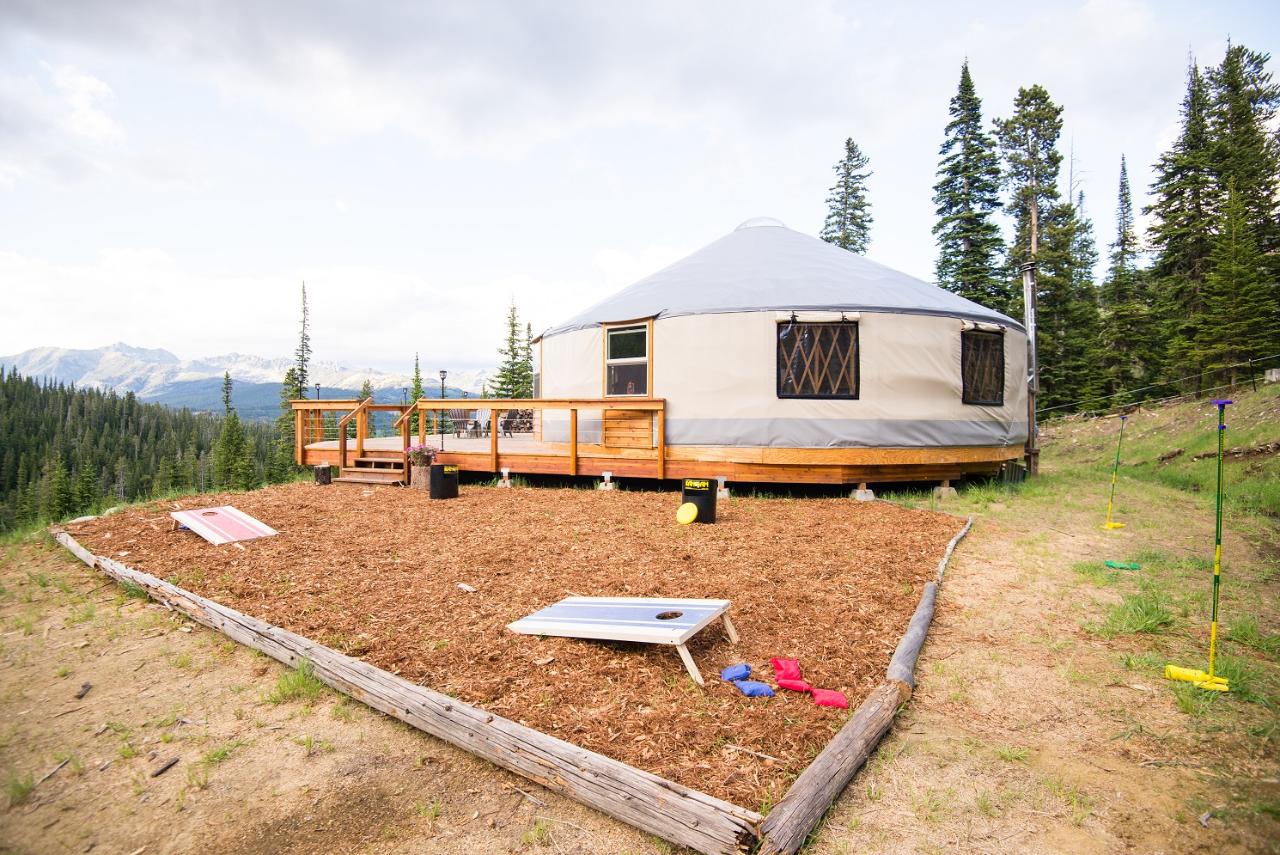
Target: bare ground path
1034,727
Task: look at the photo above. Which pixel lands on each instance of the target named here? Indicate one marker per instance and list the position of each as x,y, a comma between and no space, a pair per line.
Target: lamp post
443,374
317,391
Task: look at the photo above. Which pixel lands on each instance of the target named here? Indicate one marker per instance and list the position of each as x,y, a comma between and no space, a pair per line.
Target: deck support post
573,441
493,440
661,416
863,493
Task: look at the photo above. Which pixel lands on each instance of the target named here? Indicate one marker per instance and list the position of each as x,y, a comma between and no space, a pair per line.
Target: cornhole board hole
222,525
646,620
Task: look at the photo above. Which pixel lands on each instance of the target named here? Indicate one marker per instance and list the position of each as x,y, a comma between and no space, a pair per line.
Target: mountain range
157,375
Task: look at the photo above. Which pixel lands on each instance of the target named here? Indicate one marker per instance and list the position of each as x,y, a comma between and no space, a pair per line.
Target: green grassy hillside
1252,480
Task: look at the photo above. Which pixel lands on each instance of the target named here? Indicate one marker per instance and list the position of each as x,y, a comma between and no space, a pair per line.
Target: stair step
382,476
397,462
360,479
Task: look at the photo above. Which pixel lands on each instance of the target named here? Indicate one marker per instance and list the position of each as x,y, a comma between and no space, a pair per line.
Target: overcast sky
170,172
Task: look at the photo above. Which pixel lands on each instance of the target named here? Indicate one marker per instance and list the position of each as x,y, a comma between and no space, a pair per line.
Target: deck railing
327,420
657,407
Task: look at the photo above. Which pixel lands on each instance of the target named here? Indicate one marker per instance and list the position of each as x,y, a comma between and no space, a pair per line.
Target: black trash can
442,481
702,493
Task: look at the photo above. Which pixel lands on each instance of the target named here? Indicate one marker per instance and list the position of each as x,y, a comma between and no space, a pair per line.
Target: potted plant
421,457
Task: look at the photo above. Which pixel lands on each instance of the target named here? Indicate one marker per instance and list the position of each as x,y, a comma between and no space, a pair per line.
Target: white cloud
81,110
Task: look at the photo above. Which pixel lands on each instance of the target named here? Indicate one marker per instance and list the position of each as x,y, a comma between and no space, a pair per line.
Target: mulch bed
374,573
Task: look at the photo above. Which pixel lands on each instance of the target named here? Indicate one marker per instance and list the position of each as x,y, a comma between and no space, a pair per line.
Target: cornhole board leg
689,665
729,629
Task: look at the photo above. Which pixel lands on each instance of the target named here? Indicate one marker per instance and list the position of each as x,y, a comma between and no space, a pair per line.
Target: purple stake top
1223,403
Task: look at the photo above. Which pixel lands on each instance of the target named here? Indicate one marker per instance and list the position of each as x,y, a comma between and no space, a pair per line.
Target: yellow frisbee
687,513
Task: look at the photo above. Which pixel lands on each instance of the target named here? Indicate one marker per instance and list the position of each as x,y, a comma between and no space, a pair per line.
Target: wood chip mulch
374,573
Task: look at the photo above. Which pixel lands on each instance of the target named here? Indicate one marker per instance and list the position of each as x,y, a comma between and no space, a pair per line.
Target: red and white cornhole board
222,525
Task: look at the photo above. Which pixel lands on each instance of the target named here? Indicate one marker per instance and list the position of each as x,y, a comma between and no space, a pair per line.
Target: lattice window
817,360
982,367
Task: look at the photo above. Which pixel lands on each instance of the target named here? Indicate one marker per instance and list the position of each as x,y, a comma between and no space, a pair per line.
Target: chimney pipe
1033,372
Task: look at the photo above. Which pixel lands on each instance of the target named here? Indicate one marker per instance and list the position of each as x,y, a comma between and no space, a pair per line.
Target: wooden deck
632,445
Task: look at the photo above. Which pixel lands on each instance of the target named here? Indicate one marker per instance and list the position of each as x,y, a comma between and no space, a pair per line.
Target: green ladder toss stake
1115,467
1209,681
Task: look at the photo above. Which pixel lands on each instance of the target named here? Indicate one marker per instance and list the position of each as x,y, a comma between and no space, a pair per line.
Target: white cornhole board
222,525
630,619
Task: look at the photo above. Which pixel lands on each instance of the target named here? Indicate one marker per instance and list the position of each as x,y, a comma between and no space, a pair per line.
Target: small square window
626,364
982,367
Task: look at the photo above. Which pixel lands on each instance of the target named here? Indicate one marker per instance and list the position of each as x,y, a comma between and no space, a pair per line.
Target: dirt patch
375,572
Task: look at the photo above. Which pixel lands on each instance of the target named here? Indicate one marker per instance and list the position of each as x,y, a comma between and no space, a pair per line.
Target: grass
538,835
429,812
1244,630
1073,798
1146,611
1011,753
19,787
133,589
313,745
298,684
216,755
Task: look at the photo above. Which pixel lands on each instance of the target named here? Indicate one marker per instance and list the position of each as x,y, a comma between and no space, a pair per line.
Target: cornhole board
222,525
647,620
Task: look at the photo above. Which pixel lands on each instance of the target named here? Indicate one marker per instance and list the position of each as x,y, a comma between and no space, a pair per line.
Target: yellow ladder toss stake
1208,680
1115,467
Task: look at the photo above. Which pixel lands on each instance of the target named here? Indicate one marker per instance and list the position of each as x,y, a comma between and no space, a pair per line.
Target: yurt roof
764,266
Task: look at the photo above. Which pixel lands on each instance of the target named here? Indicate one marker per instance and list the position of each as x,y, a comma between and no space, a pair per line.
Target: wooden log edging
661,807
797,813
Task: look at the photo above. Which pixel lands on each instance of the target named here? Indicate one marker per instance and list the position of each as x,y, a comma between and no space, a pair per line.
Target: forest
1191,305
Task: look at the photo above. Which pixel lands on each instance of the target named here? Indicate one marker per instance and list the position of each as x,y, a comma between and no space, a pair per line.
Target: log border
798,813
639,798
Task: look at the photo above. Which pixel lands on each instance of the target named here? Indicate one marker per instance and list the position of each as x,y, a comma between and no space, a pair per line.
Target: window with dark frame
818,359
982,367
626,362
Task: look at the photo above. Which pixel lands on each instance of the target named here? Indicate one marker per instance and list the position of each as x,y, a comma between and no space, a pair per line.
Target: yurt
784,358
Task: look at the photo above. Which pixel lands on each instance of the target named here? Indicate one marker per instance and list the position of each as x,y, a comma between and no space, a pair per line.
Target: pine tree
86,491
59,501
1245,151
966,194
226,392
302,356
509,381
1029,146
283,460
848,223
366,389
527,366
416,392
1181,231
1239,321
1128,346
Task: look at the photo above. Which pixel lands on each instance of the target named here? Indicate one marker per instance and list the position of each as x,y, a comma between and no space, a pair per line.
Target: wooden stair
374,470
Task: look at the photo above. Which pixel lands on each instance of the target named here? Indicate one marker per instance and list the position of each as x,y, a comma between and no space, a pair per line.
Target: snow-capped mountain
154,374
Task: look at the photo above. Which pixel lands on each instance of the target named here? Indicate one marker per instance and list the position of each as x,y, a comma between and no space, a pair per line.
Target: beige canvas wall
718,373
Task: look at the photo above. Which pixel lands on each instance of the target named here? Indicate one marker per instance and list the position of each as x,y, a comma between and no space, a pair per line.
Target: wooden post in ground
573,441
493,440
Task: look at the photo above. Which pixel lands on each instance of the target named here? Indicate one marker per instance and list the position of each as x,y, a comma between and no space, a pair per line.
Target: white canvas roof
764,266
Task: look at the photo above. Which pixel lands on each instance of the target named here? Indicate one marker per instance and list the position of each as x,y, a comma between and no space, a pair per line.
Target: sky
171,172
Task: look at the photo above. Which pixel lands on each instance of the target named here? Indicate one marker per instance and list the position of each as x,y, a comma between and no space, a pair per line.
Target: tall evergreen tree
283,464
1029,145
302,356
226,392
513,377
416,391
1181,231
527,363
965,195
1245,150
1128,345
848,223
1240,321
